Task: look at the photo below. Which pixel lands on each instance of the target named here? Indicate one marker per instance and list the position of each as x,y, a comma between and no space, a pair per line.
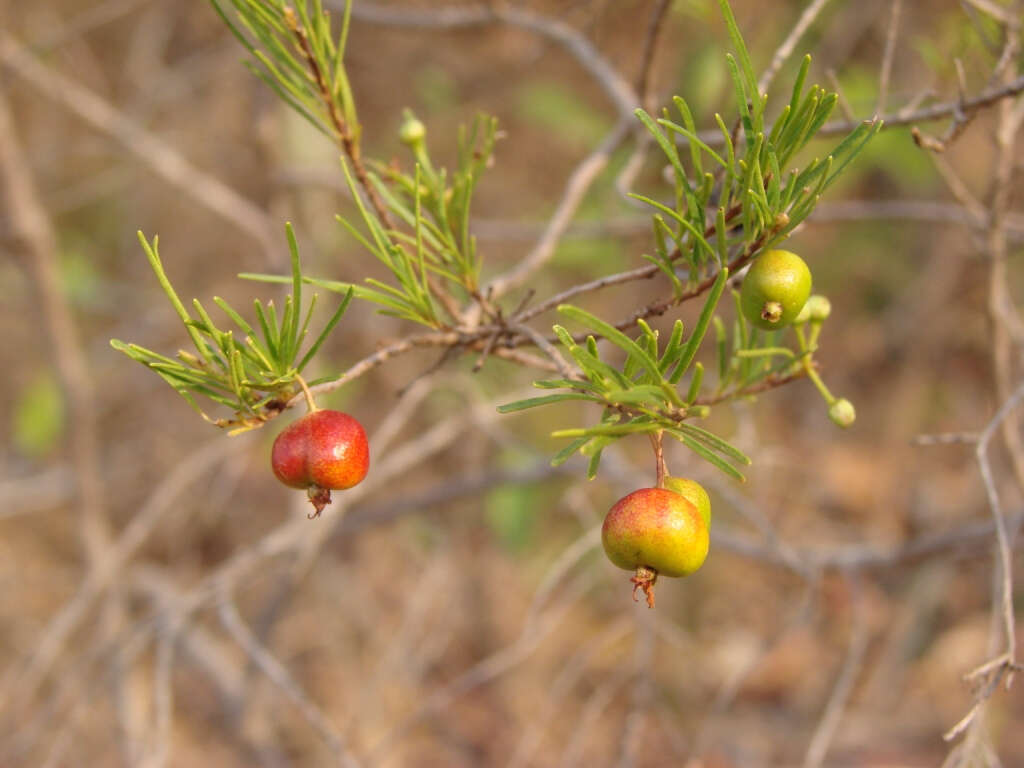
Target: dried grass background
165,602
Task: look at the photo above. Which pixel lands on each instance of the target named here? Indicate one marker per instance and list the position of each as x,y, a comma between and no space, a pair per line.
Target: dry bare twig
149,149
615,86
833,712
278,674
987,676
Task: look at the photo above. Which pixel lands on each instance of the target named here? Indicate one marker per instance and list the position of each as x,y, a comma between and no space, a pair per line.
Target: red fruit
321,452
655,531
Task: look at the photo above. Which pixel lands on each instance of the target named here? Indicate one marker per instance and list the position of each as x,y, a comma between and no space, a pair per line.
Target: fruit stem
808,349
310,404
659,458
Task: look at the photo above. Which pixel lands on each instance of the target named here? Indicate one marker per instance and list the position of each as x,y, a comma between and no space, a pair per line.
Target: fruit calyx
771,312
319,498
644,578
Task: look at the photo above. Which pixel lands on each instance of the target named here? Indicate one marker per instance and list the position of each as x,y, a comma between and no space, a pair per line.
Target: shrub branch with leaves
727,208
733,190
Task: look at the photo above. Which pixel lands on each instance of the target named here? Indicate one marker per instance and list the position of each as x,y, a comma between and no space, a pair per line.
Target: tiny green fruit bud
412,131
842,412
819,308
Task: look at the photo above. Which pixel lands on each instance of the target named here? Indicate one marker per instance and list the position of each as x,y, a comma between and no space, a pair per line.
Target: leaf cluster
727,207
745,197
436,208
254,375
435,254
644,394
296,54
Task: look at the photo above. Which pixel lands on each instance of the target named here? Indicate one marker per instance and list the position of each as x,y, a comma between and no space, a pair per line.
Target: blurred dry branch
150,150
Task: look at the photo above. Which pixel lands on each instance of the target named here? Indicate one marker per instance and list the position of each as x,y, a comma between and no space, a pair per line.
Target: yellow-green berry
842,412
412,131
775,289
818,307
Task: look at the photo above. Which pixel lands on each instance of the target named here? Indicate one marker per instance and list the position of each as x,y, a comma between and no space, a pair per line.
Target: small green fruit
694,493
842,412
818,307
775,289
412,131
655,531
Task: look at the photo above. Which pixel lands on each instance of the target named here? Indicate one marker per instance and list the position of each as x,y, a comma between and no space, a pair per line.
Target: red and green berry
322,451
655,531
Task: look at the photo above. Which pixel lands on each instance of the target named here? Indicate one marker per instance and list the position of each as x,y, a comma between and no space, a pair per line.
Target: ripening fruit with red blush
655,531
320,452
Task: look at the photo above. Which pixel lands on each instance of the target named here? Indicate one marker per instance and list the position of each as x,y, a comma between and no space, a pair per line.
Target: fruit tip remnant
644,578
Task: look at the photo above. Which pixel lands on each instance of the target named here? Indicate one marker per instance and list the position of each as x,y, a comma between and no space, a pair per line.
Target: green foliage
437,209
37,421
295,53
643,395
732,198
728,205
436,245
749,182
253,376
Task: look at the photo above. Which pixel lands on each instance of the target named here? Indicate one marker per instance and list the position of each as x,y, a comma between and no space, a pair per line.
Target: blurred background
164,601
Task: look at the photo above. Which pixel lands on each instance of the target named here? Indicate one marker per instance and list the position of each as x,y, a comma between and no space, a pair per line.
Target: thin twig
844,104
152,151
903,117
833,712
576,189
638,273
23,684
995,506
885,71
618,90
654,26
785,50
547,348
342,130
279,676
632,727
